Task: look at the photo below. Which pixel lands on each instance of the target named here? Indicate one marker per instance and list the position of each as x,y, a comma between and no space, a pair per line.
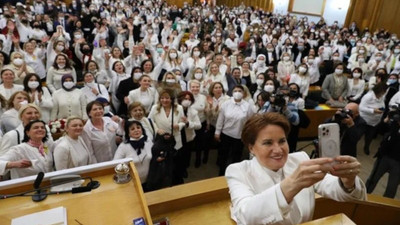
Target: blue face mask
159,50
391,81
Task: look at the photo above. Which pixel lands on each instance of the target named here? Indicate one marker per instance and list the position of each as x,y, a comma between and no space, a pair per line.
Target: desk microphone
39,193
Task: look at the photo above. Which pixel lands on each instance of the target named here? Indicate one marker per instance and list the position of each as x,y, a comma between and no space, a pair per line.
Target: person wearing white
145,94
68,101
232,116
356,85
9,119
34,58
39,95
285,68
138,147
32,156
136,111
161,114
214,75
302,79
100,133
61,67
118,74
19,67
93,90
71,151
286,194
8,88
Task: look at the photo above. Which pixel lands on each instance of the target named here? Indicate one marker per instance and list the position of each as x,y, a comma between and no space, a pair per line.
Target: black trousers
230,152
381,166
370,134
201,141
178,168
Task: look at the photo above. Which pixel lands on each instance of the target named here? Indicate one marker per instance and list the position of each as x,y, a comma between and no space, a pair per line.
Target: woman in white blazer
286,192
71,150
169,117
136,111
145,94
193,123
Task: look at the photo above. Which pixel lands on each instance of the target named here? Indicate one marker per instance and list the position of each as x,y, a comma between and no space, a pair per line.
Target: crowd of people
127,74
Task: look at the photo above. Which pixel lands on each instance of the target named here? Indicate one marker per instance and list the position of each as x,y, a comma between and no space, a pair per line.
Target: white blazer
257,197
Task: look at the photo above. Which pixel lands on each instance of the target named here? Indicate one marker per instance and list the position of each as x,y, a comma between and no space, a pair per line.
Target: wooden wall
375,14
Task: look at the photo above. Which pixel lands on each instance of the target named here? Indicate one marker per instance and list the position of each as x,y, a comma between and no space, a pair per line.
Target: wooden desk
341,219
316,116
208,201
111,203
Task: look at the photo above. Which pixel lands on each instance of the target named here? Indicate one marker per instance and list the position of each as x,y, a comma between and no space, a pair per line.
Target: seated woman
71,150
335,87
32,156
136,146
286,193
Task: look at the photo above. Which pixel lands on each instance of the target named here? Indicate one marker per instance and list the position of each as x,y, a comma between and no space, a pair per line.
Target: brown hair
256,123
134,105
10,103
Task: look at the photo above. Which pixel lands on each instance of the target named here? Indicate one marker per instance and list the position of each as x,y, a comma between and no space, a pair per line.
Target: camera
279,100
343,114
394,113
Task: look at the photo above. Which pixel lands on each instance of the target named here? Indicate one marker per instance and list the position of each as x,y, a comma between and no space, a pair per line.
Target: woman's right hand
23,163
307,174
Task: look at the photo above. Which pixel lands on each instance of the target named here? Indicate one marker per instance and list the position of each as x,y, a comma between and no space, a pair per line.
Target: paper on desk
56,216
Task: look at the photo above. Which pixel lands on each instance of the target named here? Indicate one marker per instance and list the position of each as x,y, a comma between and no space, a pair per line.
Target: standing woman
93,90
136,111
9,119
32,156
138,147
34,58
285,68
168,116
145,94
192,121
101,133
61,67
8,88
19,67
118,74
302,78
248,74
200,104
231,119
39,95
100,75
71,150
214,75
68,101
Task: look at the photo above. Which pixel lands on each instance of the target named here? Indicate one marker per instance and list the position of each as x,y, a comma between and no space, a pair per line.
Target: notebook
56,216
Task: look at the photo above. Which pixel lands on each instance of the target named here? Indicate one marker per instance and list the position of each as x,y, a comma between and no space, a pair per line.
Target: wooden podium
111,203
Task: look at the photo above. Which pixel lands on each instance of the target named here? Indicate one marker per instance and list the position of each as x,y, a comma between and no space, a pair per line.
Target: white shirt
53,79
142,161
261,201
200,104
148,98
68,103
355,90
232,117
368,104
8,92
90,96
25,151
302,81
102,141
71,153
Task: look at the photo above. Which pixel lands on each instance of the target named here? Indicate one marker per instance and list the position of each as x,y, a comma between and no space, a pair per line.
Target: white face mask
237,95
68,84
178,77
396,51
172,55
198,76
302,69
269,88
335,58
260,62
338,71
33,84
18,61
196,53
186,103
259,82
379,58
286,58
170,81
361,51
311,61
59,48
78,36
356,75
137,76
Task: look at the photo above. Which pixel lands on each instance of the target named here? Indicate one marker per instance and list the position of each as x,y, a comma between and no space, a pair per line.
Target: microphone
40,194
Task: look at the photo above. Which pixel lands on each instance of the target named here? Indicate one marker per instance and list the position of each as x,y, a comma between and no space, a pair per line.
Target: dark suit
123,90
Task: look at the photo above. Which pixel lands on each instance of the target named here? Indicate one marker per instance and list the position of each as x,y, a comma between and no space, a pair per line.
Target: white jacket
257,197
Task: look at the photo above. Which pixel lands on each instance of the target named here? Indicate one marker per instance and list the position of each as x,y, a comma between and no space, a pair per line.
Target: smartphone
329,140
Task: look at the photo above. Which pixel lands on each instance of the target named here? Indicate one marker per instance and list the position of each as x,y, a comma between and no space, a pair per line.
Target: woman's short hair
90,105
183,94
28,128
128,124
256,123
134,105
